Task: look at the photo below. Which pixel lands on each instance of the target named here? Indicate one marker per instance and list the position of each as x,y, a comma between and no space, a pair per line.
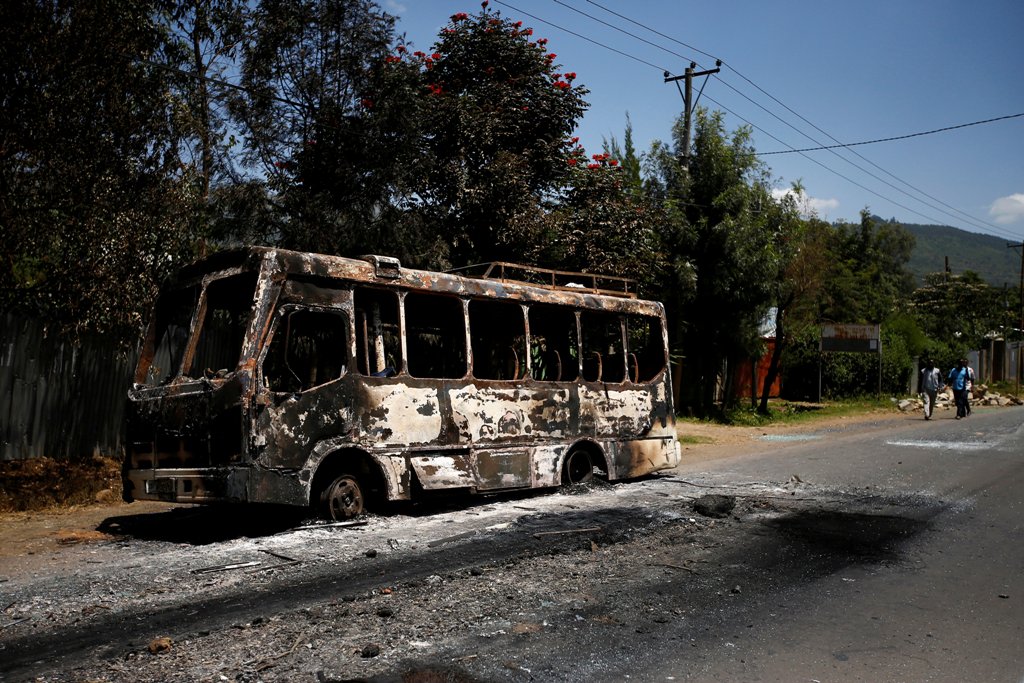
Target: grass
796,412
692,439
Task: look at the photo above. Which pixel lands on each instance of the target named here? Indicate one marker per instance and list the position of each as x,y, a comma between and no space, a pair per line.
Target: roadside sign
851,338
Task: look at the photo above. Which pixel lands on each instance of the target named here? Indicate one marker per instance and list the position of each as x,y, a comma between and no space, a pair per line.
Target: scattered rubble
714,505
980,396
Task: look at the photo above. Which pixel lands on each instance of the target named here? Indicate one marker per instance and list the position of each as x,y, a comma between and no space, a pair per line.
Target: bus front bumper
200,485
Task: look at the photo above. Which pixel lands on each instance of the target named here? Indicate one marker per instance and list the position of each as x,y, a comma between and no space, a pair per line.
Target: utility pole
688,102
1020,318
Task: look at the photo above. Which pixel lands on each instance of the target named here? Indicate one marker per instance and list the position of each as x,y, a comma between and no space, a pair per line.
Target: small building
751,373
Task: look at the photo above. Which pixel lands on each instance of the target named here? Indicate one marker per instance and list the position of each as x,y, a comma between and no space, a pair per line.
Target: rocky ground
514,588
980,396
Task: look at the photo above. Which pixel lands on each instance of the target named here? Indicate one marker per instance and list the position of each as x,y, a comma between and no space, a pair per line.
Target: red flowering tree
497,113
597,223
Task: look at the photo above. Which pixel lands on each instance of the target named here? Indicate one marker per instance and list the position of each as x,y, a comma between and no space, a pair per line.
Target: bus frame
351,388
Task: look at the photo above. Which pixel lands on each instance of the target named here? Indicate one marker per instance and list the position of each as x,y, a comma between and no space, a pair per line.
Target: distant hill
986,255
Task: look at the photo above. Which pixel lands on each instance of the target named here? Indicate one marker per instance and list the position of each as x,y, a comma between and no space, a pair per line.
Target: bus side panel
547,464
634,426
289,427
637,457
276,486
503,468
443,470
497,414
623,413
402,413
372,416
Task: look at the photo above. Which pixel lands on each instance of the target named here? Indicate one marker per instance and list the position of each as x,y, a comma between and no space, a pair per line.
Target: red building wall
745,376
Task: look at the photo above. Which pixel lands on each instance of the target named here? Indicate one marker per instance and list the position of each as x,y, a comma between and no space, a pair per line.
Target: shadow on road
202,525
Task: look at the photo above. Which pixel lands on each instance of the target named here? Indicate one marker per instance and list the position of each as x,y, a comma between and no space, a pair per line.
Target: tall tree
867,279
721,250
205,36
498,116
801,246
92,198
629,160
310,71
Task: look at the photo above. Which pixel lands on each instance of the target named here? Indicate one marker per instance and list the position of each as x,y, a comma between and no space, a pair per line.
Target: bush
845,375
41,483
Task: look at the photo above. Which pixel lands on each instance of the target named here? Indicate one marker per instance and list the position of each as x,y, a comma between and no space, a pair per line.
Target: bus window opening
436,336
309,348
603,357
554,346
221,333
378,336
498,336
646,357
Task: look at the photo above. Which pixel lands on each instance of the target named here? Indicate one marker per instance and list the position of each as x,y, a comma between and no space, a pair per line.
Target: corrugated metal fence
57,399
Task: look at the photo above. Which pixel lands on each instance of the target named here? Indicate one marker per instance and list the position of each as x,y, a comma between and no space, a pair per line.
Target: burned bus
273,376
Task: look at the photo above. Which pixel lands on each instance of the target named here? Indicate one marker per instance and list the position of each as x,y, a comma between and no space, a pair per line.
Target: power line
709,97
971,219
827,168
897,137
648,28
976,222
580,36
617,28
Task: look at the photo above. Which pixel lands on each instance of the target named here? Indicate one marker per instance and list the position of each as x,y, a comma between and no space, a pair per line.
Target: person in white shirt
931,382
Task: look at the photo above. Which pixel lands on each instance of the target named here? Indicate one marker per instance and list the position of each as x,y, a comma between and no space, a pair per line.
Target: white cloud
809,206
396,7
1006,210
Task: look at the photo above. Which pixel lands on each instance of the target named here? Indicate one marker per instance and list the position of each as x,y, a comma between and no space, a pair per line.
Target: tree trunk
773,365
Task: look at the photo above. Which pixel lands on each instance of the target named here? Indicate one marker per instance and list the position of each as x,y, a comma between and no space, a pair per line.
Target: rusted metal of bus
272,376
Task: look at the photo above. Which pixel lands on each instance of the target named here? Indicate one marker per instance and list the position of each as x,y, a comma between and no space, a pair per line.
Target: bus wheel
578,467
343,499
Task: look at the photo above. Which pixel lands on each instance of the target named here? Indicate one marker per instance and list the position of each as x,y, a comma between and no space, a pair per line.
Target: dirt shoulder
710,439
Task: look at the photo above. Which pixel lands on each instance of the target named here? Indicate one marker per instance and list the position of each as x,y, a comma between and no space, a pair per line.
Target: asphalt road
949,608
888,551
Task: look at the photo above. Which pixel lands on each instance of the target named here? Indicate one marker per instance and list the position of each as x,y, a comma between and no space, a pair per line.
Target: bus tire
342,499
579,467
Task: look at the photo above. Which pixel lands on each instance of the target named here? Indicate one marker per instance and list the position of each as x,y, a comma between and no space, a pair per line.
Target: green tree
720,251
868,280
498,113
597,225
204,37
93,196
630,162
960,312
864,280
311,72
801,246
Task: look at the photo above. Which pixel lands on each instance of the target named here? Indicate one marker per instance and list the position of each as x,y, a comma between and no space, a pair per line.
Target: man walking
958,379
931,381
968,386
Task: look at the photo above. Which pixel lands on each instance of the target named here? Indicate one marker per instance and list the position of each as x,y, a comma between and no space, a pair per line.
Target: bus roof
387,271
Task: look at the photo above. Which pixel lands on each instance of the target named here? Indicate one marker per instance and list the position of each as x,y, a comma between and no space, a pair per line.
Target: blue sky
858,71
